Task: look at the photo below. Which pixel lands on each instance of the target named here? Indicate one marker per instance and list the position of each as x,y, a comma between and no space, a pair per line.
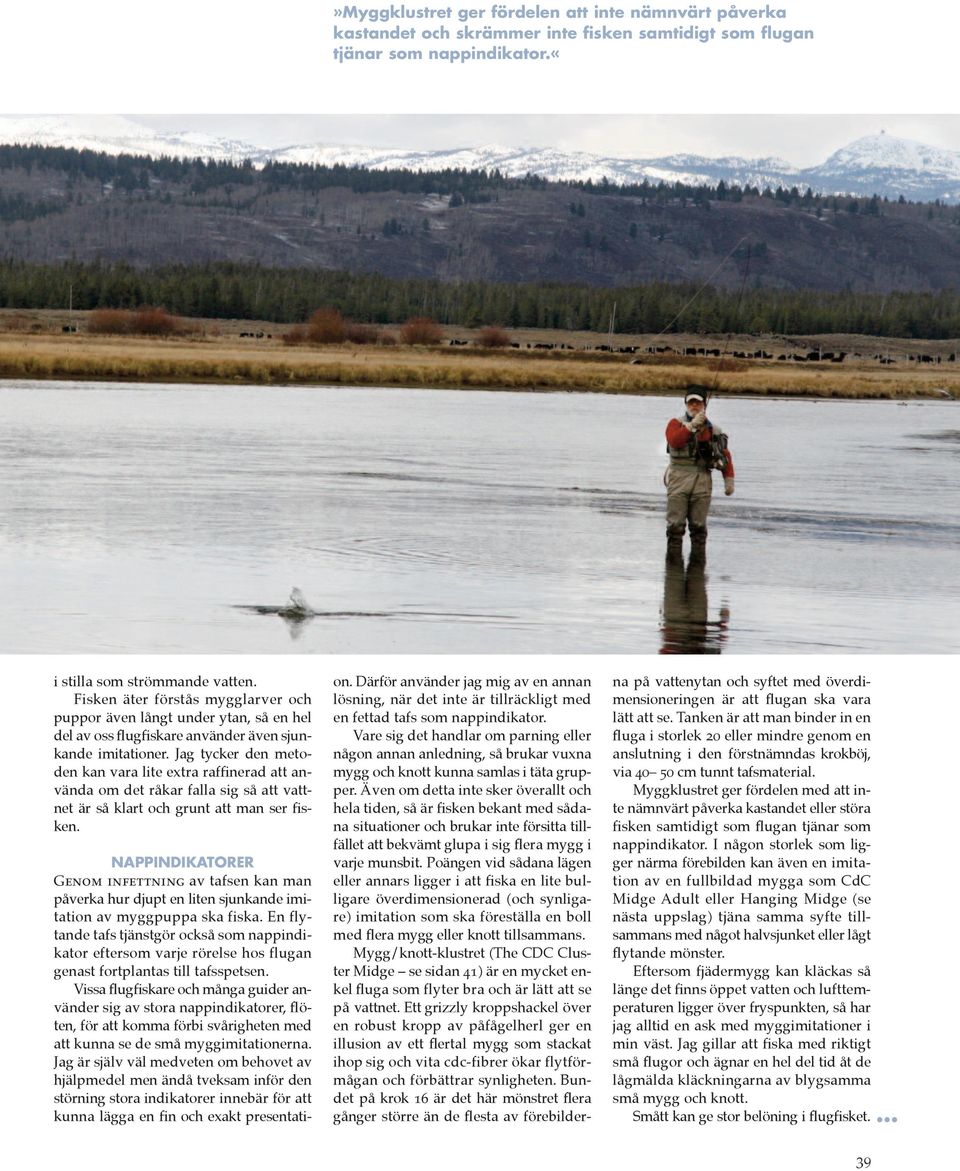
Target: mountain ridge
59,205
875,164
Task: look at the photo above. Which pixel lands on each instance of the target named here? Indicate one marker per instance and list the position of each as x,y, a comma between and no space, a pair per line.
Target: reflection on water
174,519
685,624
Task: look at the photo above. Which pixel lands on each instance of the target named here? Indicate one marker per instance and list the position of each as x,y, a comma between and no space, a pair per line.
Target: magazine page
480,555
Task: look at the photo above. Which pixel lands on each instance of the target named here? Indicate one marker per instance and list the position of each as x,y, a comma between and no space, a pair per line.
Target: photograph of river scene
377,385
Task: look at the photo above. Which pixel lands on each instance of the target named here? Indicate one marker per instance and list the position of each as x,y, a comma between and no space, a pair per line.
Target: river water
176,519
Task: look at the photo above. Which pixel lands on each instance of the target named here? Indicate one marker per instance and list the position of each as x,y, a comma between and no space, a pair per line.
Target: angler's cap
693,398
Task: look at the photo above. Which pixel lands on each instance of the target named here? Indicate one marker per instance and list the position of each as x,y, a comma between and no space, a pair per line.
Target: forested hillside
58,205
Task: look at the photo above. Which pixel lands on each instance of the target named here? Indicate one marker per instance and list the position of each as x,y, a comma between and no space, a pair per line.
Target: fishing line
685,307
736,316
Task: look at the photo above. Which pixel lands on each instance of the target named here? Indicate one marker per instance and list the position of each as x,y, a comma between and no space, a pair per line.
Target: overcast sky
804,140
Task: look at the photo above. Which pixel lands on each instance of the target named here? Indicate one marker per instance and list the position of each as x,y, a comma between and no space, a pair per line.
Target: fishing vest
707,450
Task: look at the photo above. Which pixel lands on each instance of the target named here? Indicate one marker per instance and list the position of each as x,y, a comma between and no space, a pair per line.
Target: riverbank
232,358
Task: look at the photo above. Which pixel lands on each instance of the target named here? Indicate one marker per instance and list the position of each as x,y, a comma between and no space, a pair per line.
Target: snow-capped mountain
553,164
116,135
875,164
888,165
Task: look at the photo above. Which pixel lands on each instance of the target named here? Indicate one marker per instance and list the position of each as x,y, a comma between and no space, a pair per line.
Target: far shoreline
52,346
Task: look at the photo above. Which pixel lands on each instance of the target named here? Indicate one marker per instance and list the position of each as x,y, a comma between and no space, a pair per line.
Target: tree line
142,173
134,172
254,292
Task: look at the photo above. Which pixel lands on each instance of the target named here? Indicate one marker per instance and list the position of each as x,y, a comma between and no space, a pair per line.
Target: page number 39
863,1161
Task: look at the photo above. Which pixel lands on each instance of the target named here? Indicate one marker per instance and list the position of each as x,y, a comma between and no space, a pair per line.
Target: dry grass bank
269,363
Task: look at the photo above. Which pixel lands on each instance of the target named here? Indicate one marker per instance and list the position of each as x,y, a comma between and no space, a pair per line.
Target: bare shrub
145,321
385,338
153,322
421,331
326,327
492,337
294,336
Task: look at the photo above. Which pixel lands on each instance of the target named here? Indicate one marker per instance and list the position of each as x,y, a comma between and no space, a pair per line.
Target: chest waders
689,489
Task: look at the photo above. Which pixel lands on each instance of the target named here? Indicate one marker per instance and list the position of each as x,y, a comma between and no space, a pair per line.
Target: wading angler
696,449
